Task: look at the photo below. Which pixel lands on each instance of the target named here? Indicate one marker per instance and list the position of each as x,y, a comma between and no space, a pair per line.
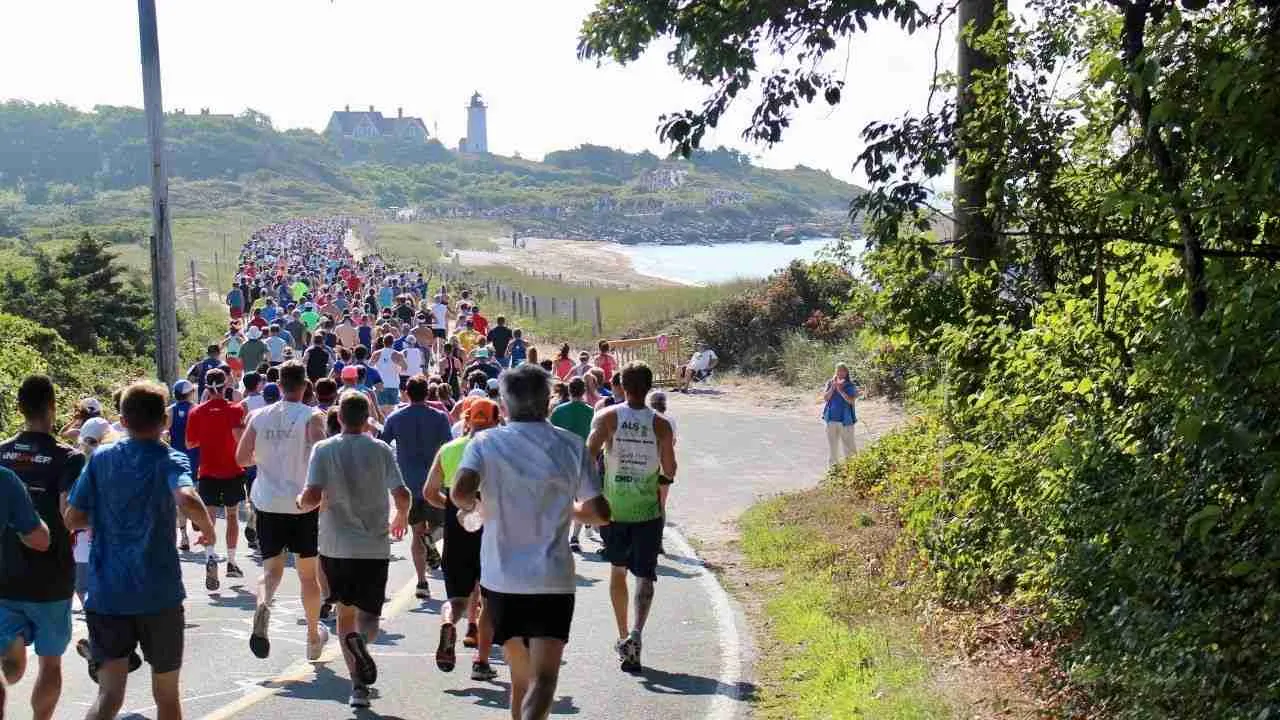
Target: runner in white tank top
278,440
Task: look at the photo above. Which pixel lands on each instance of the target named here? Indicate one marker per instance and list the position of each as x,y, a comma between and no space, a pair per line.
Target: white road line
727,702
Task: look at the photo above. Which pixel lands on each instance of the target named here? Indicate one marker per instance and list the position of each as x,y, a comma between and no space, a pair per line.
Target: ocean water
708,264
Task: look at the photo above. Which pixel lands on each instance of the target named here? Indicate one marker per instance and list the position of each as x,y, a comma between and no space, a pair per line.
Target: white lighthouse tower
477,140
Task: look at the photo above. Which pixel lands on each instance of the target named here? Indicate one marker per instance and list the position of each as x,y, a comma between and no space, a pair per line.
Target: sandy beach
580,261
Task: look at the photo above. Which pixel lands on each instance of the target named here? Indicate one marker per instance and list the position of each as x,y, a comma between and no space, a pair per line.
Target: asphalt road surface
696,653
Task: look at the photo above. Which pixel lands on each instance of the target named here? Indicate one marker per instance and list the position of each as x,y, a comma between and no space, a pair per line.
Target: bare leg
346,626
113,675
164,688
48,687
484,633
418,549
367,625
618,594
14,662
644,601
308,568
544,657
517,656
269,582
233,530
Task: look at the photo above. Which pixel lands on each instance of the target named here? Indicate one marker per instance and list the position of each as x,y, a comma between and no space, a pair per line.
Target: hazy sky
297,60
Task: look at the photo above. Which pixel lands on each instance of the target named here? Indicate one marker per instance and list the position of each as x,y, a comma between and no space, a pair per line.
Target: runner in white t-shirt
534,479
278,440
439,323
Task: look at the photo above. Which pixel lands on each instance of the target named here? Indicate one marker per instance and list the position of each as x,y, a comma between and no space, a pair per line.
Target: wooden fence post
195,309
599,321
553,305
574,304
535,307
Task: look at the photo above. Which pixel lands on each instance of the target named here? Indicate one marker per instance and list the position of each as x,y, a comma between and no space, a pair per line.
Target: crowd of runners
347,405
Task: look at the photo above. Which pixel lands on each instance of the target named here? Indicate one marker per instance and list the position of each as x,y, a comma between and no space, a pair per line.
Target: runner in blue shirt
129,493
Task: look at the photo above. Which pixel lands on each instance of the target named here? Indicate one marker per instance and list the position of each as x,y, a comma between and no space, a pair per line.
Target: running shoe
251,537
483,672
469,640
574,545
234,571
423,592
314,649
446,655
185,544
629,653
211,574
366,671
259,643
433,555
359,696
326,610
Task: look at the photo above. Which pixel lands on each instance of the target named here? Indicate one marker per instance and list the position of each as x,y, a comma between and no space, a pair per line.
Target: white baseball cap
91,404
254,332
95,429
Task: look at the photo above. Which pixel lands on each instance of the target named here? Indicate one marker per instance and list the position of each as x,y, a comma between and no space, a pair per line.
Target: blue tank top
178,431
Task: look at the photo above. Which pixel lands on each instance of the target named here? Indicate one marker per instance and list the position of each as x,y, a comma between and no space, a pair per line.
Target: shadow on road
665,683
496,697
240,598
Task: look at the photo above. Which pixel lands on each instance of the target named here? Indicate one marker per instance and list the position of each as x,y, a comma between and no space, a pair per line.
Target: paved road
697,651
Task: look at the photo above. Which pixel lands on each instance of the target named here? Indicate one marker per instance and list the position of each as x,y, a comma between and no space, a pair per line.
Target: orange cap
482,414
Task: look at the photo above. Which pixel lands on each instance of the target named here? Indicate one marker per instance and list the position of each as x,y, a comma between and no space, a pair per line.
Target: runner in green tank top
460,560
640,457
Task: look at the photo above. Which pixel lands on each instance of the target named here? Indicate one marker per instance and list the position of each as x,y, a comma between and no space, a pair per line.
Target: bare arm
433,492
193,507
400,523
466,489
244,450
39,539
602,429
310,499
666,447
831,389
593,512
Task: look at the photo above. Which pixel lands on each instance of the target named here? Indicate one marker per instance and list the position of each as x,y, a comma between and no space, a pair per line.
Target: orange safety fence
661,353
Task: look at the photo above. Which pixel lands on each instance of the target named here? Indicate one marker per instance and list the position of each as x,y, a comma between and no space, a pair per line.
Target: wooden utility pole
974,209
164,295
599,319
194,307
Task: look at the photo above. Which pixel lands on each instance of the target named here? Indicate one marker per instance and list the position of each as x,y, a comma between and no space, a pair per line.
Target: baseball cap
492,384
253,333
91,404
95,429
481,414
350,372
182,387
271,393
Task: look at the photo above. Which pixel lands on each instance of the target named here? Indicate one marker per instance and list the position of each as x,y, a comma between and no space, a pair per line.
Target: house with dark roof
348,125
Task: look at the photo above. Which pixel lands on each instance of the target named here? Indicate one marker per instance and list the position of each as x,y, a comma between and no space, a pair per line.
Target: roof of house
348,120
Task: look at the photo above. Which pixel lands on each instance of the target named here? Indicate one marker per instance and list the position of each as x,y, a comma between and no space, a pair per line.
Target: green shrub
27,348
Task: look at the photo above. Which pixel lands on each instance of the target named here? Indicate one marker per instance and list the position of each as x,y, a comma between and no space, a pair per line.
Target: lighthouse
477,139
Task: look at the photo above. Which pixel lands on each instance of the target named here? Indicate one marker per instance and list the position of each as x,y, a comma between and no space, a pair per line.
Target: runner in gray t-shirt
351,474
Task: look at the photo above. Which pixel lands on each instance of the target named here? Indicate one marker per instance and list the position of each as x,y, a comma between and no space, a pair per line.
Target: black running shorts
358,582
221,492
634,545
460,560
422,512
281,532
528,616
113,637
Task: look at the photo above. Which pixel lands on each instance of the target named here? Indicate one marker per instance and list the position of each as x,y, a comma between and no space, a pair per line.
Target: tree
83,294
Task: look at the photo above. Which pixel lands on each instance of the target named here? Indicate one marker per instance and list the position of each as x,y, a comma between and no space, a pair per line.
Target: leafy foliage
85,296
1103,448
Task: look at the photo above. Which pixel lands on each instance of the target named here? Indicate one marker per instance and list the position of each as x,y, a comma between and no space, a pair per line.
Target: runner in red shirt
214,426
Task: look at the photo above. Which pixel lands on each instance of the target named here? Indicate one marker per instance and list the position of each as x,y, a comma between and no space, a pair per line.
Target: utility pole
195,308
164,296
974,213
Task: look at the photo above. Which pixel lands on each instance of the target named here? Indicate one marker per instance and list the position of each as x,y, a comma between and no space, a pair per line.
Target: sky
298,60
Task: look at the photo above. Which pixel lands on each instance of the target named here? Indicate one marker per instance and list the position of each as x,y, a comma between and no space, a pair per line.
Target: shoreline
579,261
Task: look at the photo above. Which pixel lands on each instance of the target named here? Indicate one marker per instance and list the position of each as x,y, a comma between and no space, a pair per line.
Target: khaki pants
840,434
